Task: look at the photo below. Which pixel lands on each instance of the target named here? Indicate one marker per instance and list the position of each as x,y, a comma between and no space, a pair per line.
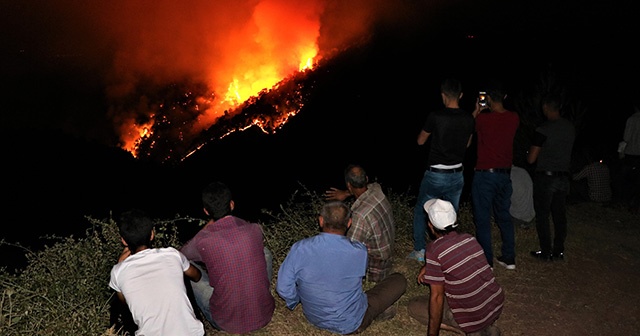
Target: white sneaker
417,255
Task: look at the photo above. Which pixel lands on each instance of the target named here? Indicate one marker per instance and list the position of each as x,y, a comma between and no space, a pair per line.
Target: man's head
495,91
216,200
136,229
355,176
442,214
451,88
551,105
335,216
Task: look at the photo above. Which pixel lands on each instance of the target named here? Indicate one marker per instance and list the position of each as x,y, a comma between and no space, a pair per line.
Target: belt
450,170
553,173
495,170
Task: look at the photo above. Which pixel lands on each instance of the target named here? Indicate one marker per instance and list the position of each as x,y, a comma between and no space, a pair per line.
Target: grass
64,288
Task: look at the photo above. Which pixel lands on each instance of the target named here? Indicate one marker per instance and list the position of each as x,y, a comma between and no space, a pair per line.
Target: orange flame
274,50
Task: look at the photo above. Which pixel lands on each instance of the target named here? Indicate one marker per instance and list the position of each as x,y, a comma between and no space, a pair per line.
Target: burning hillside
169,135
176,73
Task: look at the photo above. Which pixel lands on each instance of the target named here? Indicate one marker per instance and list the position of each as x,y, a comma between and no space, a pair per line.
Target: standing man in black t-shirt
450,130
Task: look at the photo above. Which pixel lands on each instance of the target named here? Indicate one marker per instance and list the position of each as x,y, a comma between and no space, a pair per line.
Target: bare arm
436,305
533,154
422,137
121,297
125,253
421,274
193,273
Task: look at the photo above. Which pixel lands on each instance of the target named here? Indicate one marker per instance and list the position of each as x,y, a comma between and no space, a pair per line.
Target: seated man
464,295
372,219
234,292
325,272
151,280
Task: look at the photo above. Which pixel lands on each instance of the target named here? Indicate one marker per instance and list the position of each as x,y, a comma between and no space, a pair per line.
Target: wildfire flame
274,53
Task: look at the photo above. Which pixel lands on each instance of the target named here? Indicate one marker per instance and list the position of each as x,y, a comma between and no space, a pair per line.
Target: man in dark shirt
450,130
551,151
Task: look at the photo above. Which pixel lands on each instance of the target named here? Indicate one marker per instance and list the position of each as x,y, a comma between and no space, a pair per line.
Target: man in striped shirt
464,295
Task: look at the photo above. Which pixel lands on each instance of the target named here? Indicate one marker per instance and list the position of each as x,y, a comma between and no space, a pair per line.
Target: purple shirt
233,253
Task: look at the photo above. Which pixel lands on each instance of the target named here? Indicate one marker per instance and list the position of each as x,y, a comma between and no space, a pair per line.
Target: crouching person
464,296
325,274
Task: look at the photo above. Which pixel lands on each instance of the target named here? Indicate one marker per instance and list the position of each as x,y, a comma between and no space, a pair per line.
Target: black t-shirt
450,130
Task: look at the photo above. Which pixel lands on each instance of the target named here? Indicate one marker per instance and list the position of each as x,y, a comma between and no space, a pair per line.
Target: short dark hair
451,87
355,175
216,199
336,215
135,227
495,90
553,100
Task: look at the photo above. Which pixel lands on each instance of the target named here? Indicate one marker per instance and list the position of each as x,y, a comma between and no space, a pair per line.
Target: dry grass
64,291
593,292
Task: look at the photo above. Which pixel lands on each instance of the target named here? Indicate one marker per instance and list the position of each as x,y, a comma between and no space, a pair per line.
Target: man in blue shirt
325,272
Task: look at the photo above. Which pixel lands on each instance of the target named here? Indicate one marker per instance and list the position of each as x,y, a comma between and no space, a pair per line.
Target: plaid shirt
598,180
233,252
373,224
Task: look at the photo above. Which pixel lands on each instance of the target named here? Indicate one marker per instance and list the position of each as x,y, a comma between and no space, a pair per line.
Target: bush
64,288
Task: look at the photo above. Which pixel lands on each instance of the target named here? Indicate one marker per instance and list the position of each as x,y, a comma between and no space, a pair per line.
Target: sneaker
509,264
417,255
541,256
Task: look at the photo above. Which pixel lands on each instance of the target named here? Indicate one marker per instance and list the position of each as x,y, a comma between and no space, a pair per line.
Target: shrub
64,289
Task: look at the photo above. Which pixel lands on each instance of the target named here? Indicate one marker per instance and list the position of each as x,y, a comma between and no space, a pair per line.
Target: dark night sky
60,58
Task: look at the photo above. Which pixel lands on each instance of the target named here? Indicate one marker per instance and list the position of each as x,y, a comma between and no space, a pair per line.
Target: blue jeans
549,198
491,195
202,290
446,186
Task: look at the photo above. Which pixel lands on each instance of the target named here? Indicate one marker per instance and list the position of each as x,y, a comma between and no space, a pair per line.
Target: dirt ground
594,291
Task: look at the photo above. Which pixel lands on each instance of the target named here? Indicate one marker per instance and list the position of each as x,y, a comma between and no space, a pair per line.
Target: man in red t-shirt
491,188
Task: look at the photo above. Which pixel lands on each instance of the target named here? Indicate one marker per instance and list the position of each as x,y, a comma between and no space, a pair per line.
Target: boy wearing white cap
464,295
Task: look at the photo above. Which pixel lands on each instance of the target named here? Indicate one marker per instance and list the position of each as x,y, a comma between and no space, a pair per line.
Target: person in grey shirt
551,152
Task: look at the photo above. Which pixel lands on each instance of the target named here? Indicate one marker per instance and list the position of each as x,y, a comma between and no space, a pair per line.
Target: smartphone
482,95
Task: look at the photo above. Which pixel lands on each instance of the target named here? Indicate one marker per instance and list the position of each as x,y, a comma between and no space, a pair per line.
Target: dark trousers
382,296
549,199
491,195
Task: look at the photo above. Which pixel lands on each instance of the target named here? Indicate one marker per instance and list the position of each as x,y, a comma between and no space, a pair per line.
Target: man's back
449,130
555,154
374,225
152,281
232,250
324,273
474,296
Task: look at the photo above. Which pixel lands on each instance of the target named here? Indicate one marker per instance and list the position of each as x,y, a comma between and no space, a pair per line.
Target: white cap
441,213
